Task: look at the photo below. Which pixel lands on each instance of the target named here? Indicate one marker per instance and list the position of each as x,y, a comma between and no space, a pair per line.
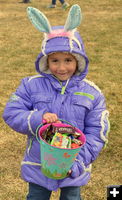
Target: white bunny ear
39,20
74,18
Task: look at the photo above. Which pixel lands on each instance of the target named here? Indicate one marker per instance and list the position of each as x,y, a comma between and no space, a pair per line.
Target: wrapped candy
76,141
76,134
73,145
61,140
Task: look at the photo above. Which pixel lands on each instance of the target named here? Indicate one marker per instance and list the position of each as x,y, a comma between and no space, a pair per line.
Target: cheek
52,67
73,69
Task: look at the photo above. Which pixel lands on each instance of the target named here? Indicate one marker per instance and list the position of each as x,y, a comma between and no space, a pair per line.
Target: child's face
62,65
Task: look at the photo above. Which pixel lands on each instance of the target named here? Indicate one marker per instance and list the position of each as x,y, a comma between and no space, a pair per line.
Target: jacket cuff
77,169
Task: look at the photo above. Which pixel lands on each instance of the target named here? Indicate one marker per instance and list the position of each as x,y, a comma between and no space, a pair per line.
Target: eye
54,60
68,60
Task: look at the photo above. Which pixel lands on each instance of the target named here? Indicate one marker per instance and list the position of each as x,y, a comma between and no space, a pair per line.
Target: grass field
20,44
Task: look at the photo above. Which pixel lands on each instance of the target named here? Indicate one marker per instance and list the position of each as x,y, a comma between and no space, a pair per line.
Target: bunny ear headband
40,21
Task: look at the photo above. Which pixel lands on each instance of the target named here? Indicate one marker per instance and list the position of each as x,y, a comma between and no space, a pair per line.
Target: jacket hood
60,39
61,42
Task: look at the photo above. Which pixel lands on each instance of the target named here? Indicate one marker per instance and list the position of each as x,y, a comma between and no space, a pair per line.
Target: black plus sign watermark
114,192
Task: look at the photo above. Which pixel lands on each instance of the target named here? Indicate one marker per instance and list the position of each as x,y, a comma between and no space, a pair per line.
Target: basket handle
63,120
43,123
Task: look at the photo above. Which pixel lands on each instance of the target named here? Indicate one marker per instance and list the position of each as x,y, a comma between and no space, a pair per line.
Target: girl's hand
51,117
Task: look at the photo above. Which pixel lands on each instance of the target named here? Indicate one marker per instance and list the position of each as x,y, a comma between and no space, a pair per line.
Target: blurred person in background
64,4
26,1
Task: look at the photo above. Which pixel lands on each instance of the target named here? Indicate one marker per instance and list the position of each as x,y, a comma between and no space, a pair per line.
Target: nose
61,66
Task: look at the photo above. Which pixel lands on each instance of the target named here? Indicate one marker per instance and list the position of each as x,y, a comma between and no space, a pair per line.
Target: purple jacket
82,104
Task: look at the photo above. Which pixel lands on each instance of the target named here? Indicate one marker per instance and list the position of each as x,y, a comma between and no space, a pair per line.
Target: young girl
60,91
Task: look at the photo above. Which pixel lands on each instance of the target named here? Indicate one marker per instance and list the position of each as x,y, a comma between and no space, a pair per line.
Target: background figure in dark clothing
26,1
64,4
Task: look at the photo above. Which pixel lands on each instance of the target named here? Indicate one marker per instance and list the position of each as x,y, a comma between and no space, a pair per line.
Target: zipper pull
63,90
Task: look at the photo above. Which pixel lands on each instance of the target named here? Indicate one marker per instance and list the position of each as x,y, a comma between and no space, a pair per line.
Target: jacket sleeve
19,113
96,129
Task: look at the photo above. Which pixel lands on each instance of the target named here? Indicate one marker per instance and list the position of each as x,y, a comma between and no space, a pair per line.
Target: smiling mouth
62,73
